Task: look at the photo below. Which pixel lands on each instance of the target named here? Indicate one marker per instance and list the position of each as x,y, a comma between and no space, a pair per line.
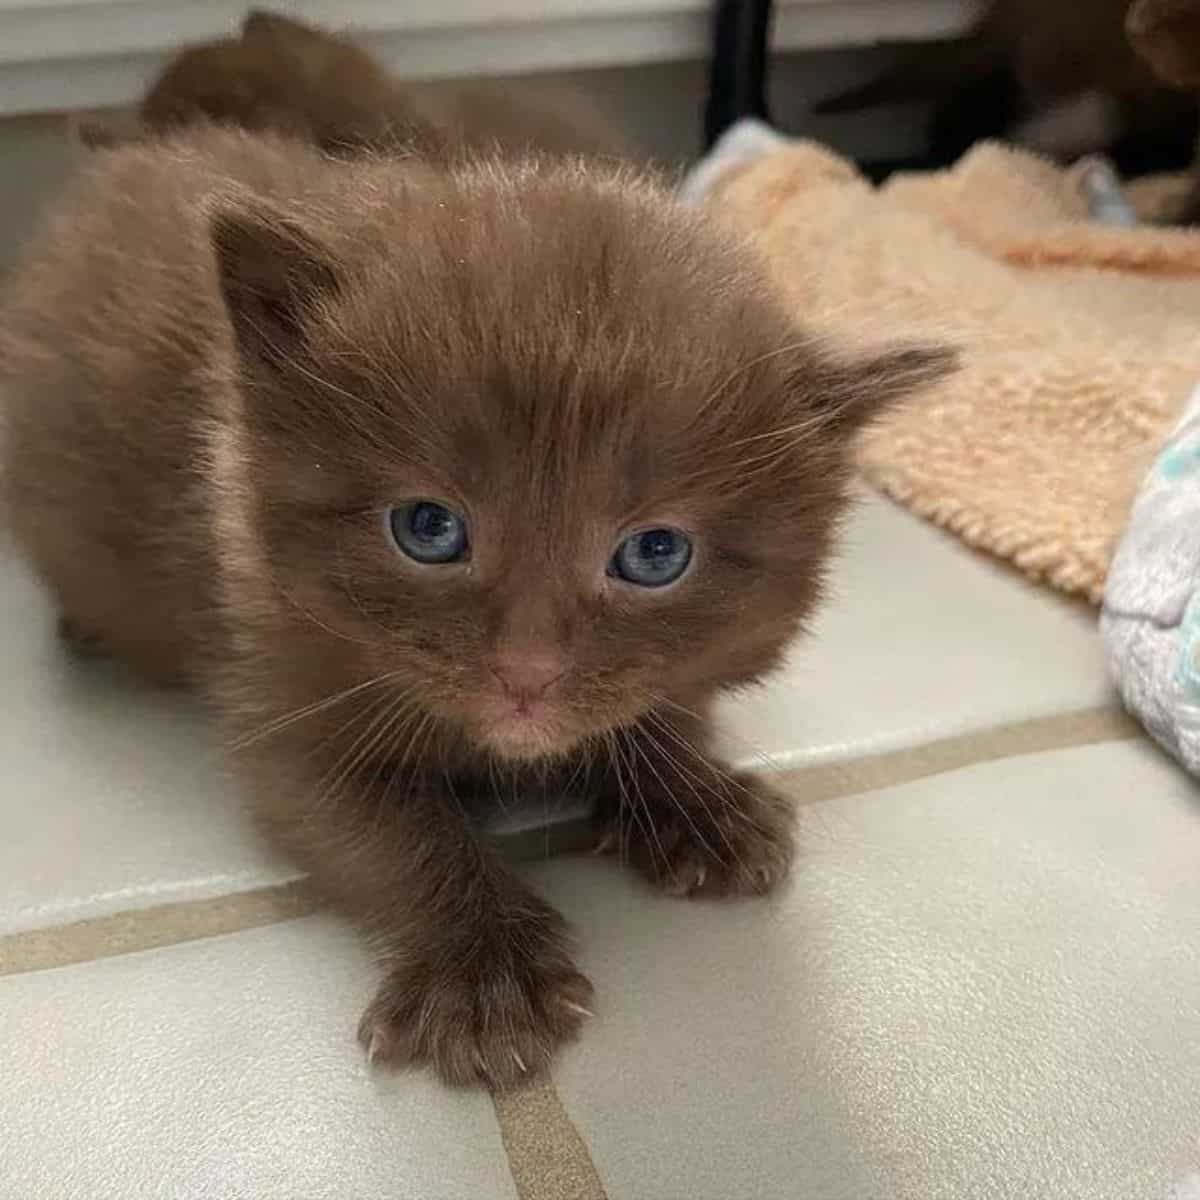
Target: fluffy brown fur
229,357
1047,59
1166,33
282,75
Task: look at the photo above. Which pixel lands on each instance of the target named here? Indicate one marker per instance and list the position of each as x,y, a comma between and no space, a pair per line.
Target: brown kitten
1057,77
423,475
1166,34
283,75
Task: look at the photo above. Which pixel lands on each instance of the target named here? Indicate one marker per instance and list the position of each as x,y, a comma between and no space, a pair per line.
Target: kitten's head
539,442
1166,34
279,75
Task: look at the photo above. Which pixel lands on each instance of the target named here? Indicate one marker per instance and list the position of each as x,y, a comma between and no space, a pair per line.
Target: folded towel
1081,340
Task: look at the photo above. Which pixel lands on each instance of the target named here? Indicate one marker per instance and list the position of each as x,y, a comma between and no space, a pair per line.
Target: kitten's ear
104,130
271,275
306,47
261,22
853,392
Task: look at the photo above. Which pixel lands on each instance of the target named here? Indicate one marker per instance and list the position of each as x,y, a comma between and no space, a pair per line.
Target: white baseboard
64,54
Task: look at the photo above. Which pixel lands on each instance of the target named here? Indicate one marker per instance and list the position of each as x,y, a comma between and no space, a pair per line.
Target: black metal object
738,71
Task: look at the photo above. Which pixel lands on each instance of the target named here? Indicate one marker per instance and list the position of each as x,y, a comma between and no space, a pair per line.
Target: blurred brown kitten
1057,77
282,75
1166,34
426,476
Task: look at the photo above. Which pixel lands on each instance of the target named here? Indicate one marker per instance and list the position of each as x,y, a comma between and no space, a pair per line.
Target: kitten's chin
521,740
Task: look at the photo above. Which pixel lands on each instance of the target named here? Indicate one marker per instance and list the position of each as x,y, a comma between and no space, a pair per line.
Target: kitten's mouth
524,733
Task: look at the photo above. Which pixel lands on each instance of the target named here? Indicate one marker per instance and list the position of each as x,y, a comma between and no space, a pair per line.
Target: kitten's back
283,75
107,338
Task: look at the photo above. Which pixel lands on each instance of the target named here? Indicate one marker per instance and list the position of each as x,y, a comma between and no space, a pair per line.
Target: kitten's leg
693,826
479,980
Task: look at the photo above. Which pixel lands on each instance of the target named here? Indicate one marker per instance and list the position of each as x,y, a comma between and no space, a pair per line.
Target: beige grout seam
547,1156
1065,731
155,927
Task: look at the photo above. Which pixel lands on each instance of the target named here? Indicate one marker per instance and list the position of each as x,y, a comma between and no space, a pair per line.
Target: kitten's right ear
271,276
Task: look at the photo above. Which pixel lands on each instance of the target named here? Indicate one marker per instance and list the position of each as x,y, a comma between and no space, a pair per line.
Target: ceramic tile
982,984
225,1070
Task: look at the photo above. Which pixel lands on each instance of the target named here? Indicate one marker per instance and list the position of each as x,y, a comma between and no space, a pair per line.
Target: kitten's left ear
271,275
851,393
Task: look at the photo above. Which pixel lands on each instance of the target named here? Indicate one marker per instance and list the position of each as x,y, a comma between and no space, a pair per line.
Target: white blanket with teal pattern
1151,614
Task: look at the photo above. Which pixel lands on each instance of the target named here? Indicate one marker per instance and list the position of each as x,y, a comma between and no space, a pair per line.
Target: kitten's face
539,602
538,608
550,481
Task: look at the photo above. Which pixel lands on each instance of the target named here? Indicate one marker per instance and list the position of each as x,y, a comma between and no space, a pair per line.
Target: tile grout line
155,928
547,1155
892,768
164,925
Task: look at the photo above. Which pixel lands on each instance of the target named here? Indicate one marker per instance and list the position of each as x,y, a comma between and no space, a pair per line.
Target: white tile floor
179,1055
981,986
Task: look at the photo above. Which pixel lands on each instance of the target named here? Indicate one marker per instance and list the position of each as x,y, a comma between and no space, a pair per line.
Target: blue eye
429,532
652,558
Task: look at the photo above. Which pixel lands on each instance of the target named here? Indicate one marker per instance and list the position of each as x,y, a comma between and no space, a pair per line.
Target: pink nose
528,675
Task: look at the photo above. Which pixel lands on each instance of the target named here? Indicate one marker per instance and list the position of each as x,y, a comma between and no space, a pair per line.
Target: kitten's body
1059,78
1166,35
228,360
282,75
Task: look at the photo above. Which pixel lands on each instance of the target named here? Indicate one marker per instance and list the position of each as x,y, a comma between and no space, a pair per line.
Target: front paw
738,842
488,1010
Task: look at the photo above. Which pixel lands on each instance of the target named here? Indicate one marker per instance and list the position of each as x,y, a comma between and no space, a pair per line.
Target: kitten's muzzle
518,719
527,678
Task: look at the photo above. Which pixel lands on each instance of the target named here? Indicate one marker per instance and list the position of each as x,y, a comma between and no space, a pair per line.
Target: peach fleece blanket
1081,341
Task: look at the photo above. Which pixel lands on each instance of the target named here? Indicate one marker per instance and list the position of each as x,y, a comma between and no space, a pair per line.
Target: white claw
606,845
519,1061
701,876
374,1049
578,1008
